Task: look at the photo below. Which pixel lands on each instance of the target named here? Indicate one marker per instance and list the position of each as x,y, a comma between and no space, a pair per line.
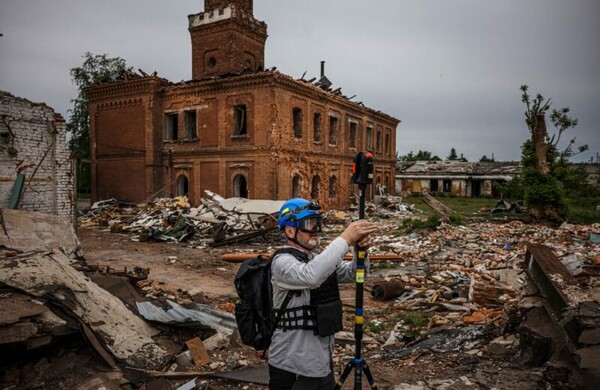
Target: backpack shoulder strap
301,256
297,253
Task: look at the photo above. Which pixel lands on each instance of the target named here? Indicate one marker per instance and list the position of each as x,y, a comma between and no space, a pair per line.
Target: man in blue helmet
302,345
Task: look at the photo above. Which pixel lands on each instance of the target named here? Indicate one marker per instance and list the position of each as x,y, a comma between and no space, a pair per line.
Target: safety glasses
310,225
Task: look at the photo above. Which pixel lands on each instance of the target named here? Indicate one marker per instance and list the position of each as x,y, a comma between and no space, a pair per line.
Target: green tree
95,68
485,158
453,156
422,155
543,163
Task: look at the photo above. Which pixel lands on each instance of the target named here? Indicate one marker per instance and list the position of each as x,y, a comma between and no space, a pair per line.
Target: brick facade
33,142
235,129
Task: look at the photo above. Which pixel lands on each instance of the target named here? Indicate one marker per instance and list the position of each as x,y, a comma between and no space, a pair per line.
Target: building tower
226,38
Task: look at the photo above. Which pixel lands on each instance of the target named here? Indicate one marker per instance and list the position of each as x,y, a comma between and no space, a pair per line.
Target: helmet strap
295,239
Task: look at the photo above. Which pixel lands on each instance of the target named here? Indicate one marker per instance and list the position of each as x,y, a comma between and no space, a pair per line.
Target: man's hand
358,232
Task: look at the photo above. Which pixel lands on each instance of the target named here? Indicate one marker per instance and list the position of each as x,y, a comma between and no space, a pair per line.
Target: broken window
317,127
190,125
240,120
370,138
379,140
353,128
314,190
297,117
387,144
433,186
182,185
333,130
296,186
240,186
171,126
447,185
333,187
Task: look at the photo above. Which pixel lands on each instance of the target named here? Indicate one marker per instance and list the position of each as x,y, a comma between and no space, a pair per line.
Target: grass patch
465,207
376,326
414,323
583,210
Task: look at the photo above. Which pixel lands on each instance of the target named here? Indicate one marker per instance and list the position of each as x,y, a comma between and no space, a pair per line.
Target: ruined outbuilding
236,128
36,171
468,179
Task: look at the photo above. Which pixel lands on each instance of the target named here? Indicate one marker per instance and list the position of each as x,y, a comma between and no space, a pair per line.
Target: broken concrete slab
32,231
50,275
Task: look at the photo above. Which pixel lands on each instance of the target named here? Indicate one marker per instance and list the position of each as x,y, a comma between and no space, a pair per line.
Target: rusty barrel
387,290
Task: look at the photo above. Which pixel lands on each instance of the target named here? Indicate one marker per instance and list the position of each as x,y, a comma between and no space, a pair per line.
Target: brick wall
33,142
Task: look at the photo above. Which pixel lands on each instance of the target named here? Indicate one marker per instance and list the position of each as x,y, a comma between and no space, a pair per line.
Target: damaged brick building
236,128
36,171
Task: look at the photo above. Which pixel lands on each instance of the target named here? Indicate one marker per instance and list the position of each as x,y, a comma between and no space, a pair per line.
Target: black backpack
255,317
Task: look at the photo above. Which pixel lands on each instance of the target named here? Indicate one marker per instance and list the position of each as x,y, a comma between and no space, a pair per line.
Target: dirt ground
199,271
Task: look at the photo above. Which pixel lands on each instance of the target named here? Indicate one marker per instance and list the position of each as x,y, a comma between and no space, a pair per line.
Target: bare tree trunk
541,147
539,136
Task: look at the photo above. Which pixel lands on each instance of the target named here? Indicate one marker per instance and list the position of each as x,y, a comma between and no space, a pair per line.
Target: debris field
142,297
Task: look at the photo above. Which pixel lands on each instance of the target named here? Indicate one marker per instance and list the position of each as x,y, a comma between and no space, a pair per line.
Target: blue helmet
296,210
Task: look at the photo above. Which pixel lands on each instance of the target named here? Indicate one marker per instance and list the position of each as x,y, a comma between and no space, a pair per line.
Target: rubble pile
217,221
465,284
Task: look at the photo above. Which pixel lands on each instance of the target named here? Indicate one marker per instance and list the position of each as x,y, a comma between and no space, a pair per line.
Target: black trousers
284,380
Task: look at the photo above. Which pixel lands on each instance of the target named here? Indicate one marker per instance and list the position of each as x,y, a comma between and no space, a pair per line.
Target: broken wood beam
559,288
241,257
169,374
440,208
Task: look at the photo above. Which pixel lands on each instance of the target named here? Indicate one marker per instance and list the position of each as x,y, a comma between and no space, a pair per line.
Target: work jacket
301,351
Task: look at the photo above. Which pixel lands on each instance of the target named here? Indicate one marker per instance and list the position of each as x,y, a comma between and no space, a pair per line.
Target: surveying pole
362,174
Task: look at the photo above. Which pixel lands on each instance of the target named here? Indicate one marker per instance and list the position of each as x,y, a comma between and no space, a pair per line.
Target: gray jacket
301,351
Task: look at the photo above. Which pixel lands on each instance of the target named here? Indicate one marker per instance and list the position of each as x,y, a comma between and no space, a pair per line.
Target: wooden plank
198,352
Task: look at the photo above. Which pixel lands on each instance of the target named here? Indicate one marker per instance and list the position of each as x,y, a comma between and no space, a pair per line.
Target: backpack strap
280,312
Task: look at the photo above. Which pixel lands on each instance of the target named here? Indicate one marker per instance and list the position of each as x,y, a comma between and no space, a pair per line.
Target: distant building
236,128
468,179
35,164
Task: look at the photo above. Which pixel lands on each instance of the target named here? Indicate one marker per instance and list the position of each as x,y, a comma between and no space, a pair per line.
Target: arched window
333,187
296,181
314,190
240,187
182,185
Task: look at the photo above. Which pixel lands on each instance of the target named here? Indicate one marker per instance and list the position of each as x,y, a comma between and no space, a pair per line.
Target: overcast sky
450,70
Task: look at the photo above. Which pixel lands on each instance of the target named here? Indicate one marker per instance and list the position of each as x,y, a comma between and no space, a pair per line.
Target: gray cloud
450,70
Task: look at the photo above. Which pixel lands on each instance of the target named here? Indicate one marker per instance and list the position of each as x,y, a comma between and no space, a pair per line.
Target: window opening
379,141
190,124
297,117
171,131
387,144
240,186
369,138
314,191
240,120
182,185
353,128
317,127
447,185
333,130
333,187
296,186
